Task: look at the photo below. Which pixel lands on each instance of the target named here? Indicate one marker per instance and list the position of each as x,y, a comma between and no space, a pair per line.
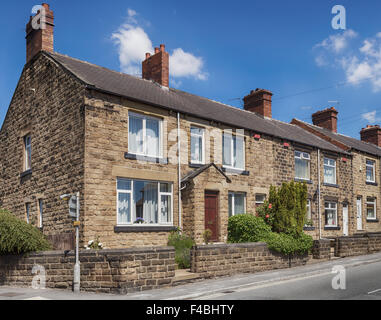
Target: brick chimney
156,67
259,101
39,36
326,119
371,134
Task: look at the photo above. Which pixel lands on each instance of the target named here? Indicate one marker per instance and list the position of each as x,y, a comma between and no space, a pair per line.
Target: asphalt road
311,282
361,283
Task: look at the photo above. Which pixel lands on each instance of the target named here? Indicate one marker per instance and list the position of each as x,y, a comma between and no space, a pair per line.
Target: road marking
374,291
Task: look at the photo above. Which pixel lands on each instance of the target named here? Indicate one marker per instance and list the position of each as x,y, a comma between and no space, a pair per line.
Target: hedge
18,237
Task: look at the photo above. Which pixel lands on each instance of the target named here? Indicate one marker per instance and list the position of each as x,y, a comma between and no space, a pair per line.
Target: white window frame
260,203
144,119
325,213
27,152
309,210
373,166
40,211
203,144
27,211
373,202
232,137
133,204
233,193
330,166
306,157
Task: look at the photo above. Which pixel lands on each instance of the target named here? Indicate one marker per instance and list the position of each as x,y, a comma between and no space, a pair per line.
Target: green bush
183,244
286,209
247,228
288,244
18,237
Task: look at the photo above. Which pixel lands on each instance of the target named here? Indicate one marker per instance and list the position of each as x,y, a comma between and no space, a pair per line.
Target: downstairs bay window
142,202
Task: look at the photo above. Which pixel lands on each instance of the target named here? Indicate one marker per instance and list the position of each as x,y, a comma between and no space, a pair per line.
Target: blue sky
224,49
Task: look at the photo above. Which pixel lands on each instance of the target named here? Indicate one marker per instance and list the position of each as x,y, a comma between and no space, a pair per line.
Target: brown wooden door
211,213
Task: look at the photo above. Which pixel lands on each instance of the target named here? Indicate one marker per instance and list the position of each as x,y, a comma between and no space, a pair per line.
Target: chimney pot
156,68
148,55
259,101
371,134
326,119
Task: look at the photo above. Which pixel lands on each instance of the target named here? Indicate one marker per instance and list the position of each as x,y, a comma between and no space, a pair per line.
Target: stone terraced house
73,126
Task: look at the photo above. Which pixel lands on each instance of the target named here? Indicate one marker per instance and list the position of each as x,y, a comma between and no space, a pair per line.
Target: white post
77,267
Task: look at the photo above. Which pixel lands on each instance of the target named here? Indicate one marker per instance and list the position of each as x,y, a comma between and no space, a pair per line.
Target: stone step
184,276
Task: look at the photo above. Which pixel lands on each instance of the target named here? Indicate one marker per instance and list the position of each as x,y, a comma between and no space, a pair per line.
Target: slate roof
137,89
352,143
193,174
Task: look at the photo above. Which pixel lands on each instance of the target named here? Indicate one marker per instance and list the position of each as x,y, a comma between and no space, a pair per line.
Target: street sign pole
77,267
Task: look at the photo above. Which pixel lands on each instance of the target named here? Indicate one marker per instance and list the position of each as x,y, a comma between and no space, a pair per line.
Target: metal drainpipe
179,166
319,212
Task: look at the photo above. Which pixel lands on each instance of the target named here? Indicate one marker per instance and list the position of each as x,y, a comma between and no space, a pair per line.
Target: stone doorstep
184,276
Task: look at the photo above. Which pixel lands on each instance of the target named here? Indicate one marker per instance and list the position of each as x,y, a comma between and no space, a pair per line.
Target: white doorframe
345,220
359,213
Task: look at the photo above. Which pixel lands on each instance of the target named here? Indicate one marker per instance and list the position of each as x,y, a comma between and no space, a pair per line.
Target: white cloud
371,117
133,43
359,65
338,42
185,64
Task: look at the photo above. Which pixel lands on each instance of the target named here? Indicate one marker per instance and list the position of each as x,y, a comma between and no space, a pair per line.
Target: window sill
302,180
236,171
309,228
26,173
371,183
332,228
136,229
331,185
372,220
131,156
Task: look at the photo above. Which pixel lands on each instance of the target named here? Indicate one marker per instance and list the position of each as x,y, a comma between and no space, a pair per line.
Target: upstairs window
371,209
370,171
302,165
27,153
233,151
41,211
144,135
197,145
329,171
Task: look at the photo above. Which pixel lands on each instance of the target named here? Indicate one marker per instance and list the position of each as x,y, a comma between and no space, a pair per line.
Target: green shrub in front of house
286,208
183,245
18,237
248,228
245,228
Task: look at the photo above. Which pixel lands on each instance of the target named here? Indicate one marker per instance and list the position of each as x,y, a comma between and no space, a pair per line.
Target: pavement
313,281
